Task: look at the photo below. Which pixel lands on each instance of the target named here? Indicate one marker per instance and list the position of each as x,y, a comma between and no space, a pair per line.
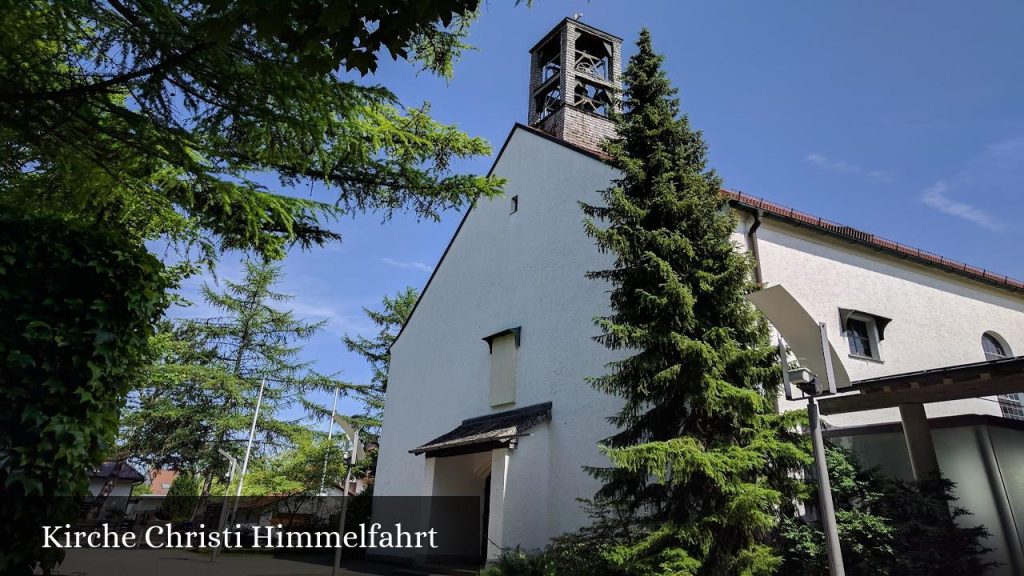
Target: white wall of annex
938,318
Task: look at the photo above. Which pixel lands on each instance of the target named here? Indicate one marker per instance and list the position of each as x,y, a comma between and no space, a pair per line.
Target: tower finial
577,16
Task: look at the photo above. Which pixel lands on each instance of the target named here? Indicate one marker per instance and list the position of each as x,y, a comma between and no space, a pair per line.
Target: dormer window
863,332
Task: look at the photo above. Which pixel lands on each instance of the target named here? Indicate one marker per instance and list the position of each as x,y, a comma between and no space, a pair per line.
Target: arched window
993,347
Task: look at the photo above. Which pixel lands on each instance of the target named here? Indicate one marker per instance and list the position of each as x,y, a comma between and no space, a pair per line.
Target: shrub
887,527
77,305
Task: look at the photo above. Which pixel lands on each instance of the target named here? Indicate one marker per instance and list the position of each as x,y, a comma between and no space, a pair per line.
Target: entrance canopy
1005,376
484,433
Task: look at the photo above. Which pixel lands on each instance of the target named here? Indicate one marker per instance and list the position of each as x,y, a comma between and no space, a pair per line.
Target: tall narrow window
515,204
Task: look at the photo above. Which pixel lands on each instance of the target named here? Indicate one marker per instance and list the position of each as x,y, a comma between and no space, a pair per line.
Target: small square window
515,204
862,335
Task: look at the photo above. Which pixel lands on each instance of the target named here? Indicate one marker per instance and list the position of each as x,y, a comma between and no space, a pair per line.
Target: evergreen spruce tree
700,458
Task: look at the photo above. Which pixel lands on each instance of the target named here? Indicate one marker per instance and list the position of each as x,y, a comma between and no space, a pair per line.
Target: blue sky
905,119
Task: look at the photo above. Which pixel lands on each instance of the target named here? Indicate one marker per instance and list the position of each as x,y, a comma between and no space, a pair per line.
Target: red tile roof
866,238
827,226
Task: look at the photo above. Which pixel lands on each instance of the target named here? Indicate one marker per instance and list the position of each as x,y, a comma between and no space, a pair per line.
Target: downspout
758,275
752,246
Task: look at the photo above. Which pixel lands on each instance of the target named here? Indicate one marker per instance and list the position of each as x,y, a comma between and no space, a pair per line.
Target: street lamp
809,384
809,341
330,434
353,455
233,463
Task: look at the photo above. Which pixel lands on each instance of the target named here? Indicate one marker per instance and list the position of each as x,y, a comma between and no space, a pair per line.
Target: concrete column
919,440
496,519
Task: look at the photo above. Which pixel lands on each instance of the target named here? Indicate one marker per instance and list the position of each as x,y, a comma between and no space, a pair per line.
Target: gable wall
502,271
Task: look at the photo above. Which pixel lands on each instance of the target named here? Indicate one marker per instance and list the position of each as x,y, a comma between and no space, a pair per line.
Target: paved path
99,562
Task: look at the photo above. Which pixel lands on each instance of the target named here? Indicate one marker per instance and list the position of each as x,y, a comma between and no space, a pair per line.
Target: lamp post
809,340
233,463
351,457
809,384
330,434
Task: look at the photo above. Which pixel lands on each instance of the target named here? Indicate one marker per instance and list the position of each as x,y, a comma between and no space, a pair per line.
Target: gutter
752,245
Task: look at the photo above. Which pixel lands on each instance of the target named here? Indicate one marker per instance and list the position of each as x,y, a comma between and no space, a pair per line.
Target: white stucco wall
505,270
527,269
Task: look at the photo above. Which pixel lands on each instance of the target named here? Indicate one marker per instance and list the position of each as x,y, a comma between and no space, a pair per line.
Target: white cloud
407,265
883,176
995,174
937,197
843,167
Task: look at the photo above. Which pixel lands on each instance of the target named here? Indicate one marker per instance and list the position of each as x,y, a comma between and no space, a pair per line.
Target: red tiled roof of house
866,238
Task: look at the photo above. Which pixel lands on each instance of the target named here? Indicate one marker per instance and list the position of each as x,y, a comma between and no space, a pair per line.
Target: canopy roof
487,432
1004,376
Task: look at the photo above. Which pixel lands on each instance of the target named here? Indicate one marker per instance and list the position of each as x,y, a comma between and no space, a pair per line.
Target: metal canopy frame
990,378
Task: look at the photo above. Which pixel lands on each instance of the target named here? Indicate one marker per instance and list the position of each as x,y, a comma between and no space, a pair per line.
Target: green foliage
297,470
389,319
165,120
199,392
590,550
516,562
701,458
580,553
182,498
157,116
887,527
77,306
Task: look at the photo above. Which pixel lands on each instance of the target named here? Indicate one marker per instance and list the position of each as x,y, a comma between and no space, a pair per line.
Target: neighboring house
160,480
487,392
124,479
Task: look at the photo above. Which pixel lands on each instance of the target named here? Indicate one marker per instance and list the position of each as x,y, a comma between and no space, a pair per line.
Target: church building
488,395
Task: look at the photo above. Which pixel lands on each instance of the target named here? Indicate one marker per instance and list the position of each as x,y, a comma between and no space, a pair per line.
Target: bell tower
575,75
